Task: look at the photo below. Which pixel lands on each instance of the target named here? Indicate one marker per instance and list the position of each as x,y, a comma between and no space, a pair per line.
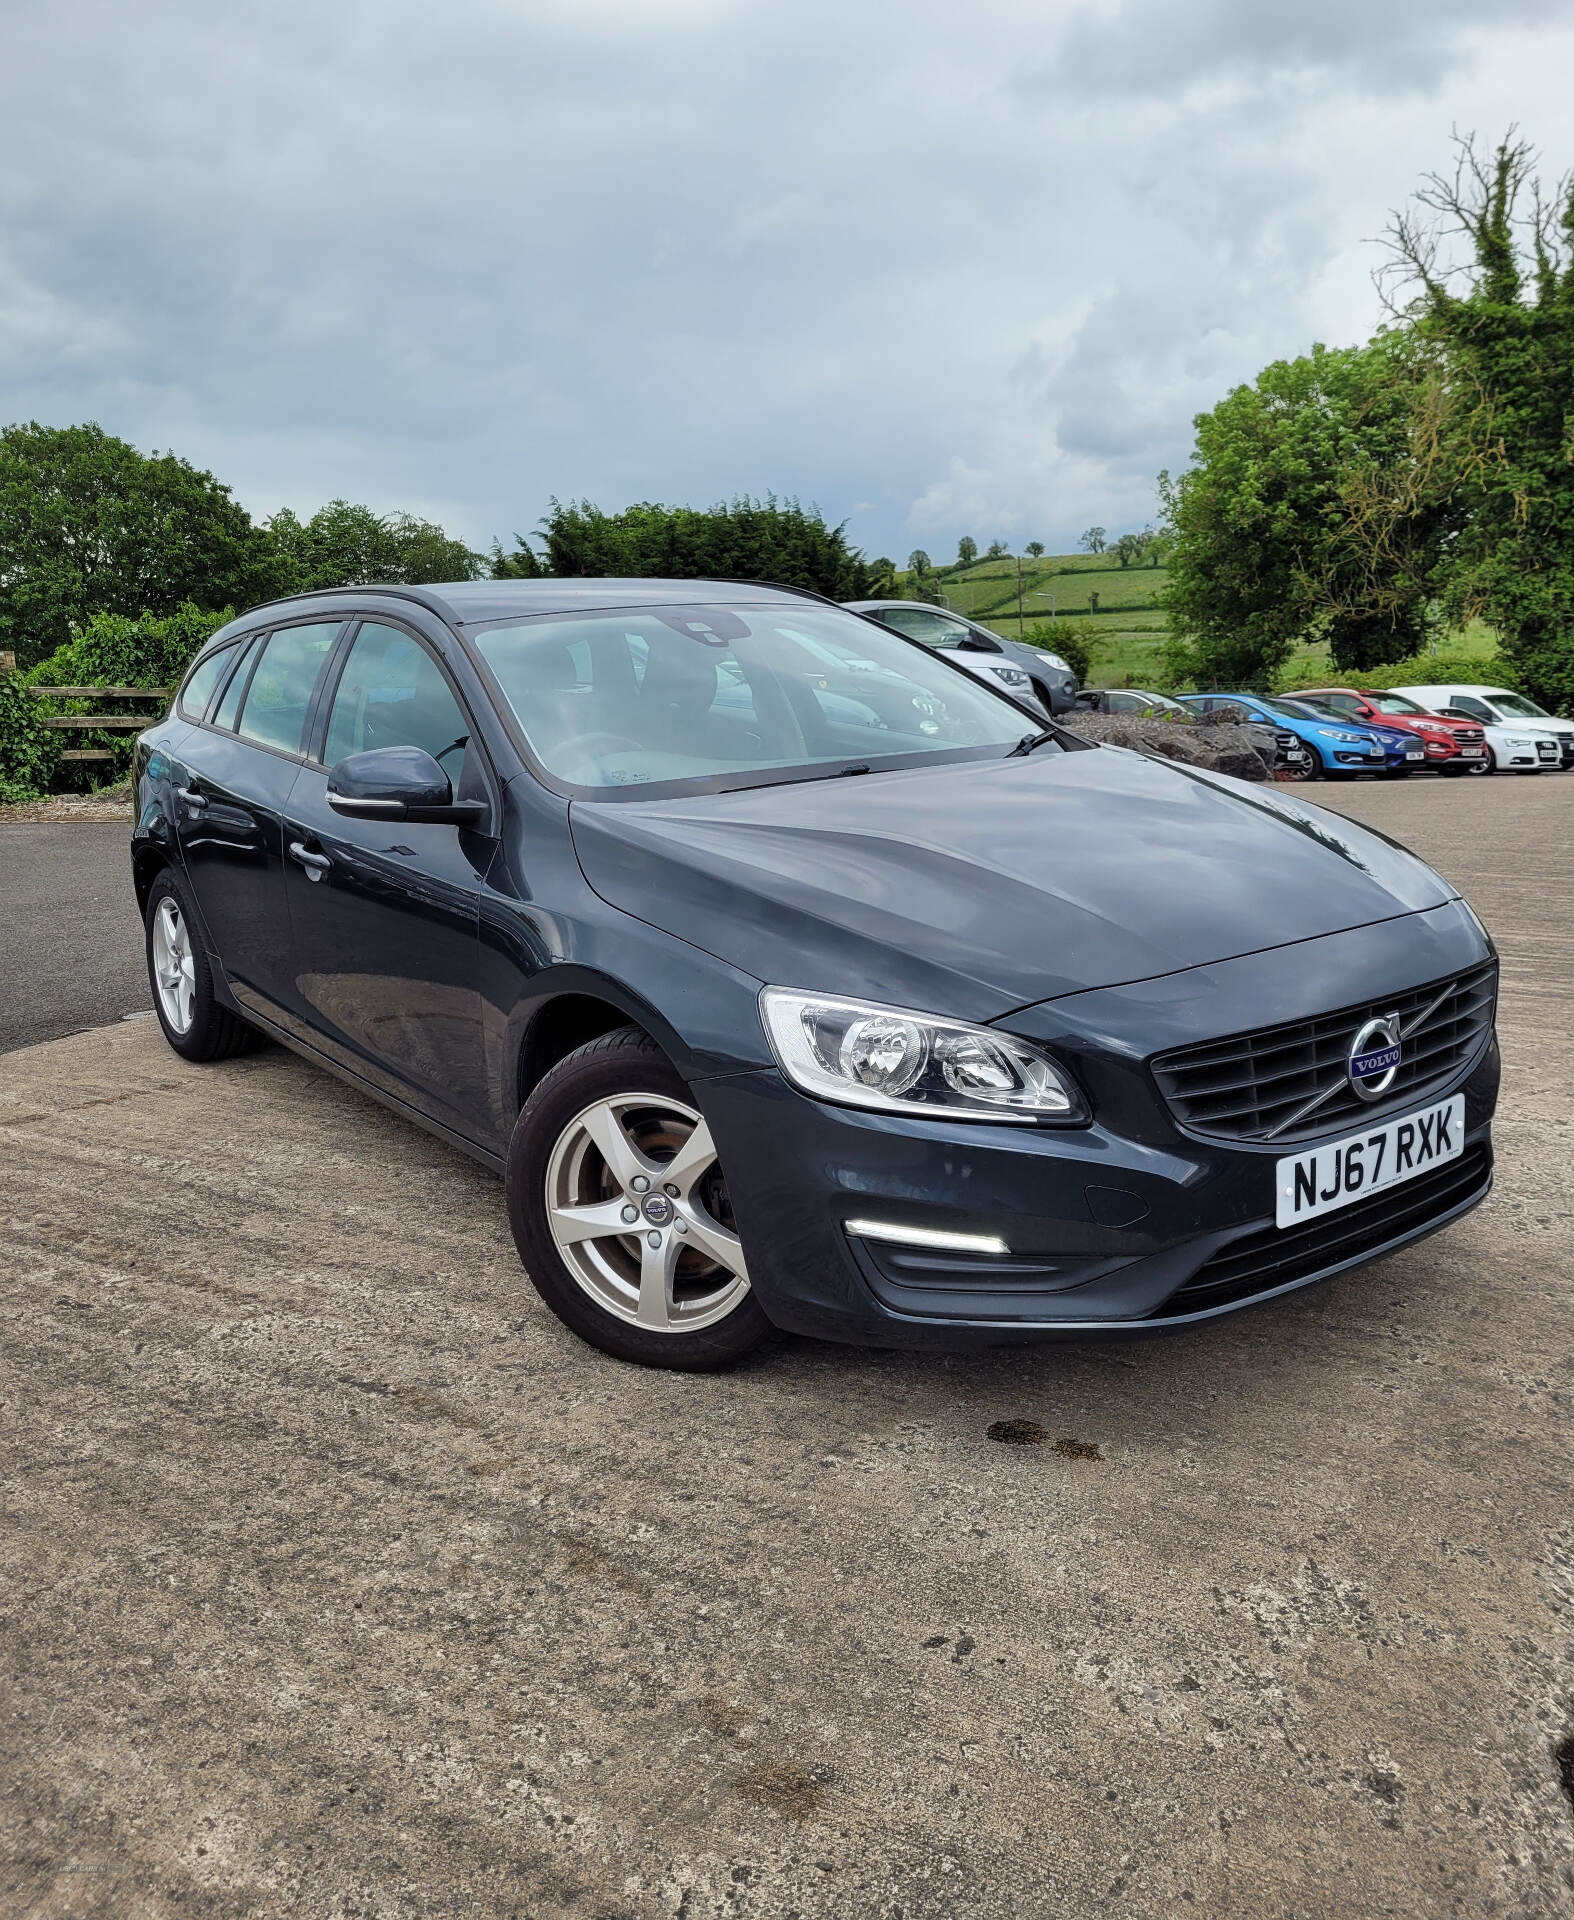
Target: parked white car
1519,734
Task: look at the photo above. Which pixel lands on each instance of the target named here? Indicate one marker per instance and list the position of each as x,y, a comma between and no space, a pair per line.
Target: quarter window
392,694
202,680
274,713
229,705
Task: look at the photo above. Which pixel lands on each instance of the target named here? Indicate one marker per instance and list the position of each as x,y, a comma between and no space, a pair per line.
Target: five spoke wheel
174,968
638,1209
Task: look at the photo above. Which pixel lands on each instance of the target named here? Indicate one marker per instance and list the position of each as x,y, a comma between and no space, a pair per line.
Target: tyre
195,1024
620,1211
1488,765
1308,768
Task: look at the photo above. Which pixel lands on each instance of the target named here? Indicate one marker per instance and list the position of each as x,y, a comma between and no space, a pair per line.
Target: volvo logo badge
1374,1057
658,1209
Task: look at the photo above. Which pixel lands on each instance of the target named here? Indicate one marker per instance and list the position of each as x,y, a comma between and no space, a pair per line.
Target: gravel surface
340,1581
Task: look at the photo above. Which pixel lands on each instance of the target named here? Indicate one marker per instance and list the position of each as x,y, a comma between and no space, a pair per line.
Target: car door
240,764
384,916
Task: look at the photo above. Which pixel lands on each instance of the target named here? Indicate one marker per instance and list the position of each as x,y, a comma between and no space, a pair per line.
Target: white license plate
1416,756
1471,753
1343,1171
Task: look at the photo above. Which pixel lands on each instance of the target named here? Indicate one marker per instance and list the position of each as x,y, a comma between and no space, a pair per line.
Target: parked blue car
1338,748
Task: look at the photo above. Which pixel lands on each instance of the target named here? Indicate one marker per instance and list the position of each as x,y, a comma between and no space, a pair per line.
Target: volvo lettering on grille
1374,1057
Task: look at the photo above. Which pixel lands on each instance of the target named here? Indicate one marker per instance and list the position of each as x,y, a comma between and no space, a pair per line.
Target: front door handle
196,801
316,864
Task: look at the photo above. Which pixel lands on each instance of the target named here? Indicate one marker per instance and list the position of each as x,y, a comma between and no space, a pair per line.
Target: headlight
1349,739
1012,677
864,1055
1055,660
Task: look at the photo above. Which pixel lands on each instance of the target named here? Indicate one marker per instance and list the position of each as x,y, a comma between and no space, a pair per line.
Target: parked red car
1451,746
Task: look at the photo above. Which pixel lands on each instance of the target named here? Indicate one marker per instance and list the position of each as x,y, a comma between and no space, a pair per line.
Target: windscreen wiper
800,779
1031,740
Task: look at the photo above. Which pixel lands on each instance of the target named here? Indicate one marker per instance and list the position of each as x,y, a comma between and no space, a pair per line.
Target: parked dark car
913,1023
1133,700
986,655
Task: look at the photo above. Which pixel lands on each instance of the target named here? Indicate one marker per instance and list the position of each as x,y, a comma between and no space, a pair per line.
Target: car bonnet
976,888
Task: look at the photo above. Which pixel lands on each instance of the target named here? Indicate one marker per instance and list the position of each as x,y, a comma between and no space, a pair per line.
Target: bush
29,751
1421,670
112,651
1075,642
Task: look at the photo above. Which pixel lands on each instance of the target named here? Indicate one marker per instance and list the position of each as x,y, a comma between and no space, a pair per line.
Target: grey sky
939,270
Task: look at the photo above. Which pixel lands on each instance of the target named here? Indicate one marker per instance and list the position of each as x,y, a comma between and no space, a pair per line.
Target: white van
1519,733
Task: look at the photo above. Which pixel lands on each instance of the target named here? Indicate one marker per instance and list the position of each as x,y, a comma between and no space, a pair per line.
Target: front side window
934,629
664,698
274,713
1474,709
201,681
392,694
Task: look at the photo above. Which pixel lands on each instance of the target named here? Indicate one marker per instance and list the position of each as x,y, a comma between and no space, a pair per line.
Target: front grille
1469,736
1254,1086
1274,1257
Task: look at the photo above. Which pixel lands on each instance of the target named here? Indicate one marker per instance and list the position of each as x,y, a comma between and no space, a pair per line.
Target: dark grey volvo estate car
795,978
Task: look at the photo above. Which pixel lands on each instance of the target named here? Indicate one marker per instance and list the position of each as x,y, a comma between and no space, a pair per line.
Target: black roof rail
422,597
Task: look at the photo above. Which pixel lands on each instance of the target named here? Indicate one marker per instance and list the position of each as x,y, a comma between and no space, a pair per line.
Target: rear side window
274,714
201,681
229,703
393,694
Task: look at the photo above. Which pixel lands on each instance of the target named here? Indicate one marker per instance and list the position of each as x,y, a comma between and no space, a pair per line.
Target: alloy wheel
639,1212
174,966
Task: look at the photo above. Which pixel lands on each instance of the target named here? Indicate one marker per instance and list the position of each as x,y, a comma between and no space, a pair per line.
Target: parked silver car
1031,673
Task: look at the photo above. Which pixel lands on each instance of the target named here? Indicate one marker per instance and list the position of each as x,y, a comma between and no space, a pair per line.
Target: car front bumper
1126,1225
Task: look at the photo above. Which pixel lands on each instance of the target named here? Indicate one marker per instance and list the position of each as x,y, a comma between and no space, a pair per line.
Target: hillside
1118,607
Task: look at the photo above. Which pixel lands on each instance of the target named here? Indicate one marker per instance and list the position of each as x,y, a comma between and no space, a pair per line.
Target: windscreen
1394,703
658,698
1517,707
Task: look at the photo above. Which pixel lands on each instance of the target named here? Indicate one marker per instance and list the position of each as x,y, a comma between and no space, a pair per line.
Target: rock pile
1212,740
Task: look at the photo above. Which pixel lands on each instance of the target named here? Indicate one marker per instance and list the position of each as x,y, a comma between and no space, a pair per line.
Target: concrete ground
337,1580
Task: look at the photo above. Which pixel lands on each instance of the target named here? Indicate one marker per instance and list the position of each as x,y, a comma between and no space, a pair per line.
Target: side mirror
399,783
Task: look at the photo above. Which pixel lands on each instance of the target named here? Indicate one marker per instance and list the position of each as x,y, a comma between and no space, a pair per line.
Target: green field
1128,625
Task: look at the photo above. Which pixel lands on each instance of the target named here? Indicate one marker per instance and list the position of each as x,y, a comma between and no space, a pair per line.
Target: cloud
938,277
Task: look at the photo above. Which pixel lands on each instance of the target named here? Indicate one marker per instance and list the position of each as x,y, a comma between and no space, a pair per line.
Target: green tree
1315,508
997,551
88,525
1502,323
966,550
1093,540
881,584
742,539
1034,549
918,563
344,545
1128,549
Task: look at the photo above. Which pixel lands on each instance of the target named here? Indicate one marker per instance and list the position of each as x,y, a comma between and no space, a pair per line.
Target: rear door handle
196,801
316,864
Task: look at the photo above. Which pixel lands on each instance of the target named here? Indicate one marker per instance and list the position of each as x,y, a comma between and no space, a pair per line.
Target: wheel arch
148,860
579,1011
